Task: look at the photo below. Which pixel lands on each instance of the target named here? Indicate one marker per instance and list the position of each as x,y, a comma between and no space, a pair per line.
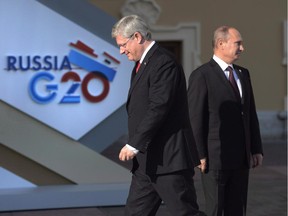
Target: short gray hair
128,25
220,33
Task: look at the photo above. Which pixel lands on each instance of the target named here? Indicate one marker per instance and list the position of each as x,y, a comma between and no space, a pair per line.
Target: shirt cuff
132,149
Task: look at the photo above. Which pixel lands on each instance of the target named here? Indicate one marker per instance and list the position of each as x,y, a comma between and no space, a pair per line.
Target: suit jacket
158,116
226,130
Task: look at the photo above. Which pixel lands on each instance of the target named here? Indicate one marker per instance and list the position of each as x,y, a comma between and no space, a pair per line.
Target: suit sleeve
198,110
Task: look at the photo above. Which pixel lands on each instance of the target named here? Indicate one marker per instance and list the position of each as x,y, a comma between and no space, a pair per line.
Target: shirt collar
221,63
146,51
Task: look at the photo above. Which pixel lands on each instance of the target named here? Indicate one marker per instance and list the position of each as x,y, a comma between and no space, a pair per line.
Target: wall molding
189,34
149,10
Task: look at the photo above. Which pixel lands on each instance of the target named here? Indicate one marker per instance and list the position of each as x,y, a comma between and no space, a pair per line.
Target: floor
267,190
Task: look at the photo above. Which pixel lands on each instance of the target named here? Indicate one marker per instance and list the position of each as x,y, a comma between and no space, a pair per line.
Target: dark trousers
176,190
226,192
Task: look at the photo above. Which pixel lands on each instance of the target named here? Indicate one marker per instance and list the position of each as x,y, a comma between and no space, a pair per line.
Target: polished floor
267,190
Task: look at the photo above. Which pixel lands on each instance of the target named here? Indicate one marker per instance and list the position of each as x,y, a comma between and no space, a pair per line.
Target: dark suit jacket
226,130
158,116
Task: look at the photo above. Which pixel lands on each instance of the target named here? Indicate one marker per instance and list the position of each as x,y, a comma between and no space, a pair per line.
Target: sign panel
56,71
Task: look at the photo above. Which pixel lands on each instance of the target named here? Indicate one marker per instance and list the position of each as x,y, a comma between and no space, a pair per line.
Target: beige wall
260,23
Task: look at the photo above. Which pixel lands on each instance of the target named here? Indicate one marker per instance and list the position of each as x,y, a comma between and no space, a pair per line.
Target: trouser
226,192
175,189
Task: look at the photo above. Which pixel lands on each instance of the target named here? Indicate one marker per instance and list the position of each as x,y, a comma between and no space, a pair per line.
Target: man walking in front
160,142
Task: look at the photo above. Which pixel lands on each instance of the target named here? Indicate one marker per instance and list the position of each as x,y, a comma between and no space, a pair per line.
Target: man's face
127,46
233,46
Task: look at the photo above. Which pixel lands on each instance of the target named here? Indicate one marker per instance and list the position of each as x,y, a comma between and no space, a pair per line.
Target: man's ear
138,37
220,43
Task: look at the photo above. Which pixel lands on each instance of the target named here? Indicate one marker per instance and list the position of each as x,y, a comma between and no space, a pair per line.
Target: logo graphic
58,79
83,57
98,70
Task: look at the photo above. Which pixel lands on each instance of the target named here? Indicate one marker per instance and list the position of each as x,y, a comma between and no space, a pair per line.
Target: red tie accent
138,66
233,82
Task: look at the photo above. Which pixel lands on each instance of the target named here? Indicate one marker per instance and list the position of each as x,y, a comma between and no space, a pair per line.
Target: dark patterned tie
233,82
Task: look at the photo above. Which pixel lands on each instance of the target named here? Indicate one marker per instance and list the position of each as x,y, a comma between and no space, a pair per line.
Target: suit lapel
141,70
242,81
221,75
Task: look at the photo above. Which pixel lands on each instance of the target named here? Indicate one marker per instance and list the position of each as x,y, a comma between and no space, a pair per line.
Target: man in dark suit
161,142
225,125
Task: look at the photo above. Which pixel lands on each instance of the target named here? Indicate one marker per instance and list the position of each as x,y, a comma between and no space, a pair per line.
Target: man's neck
147,47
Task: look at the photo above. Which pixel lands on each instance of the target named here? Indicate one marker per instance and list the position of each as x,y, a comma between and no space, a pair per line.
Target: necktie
233,82
138,66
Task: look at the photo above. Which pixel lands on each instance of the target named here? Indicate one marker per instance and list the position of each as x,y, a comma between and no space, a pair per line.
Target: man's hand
257,160
203,165
126,154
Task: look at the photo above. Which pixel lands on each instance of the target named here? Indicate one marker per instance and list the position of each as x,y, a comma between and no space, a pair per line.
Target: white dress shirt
224,66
